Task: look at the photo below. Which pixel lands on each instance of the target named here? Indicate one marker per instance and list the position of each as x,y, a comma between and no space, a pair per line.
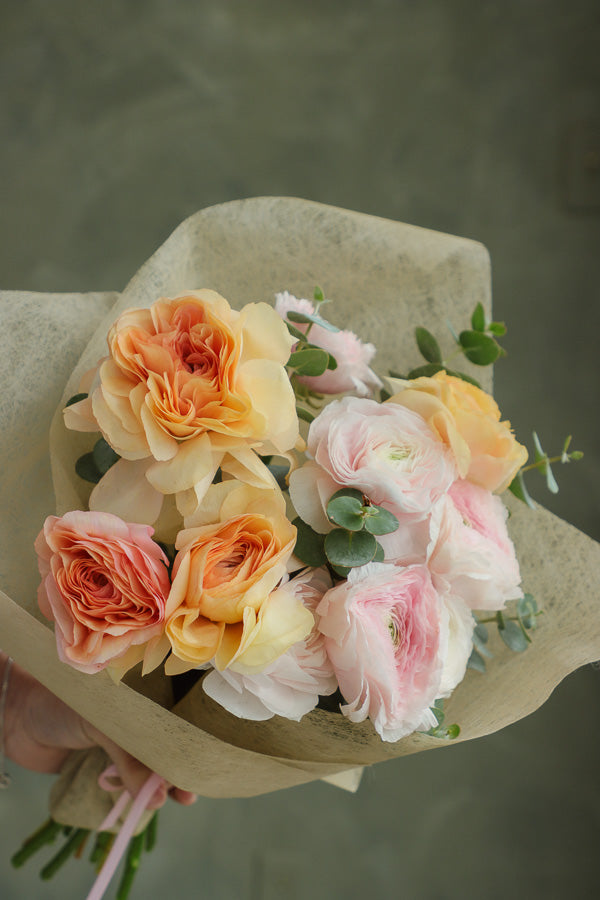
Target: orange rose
468,420
226,603
191,385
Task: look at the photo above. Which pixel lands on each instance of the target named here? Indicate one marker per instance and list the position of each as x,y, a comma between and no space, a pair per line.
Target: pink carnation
387,451
472,555
104,583
387,636
353,375
291,685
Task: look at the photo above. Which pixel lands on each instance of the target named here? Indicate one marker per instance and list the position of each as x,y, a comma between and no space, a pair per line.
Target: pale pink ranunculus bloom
386,631
353,374
386,451
471,555
105,584
292,684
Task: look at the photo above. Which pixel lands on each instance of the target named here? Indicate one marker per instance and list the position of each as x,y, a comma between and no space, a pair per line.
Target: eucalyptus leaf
478,318
311,362
87,469
480,349
527,611
497,328
476,661
514,636
539,453
426,371
379,553
309,545
307,318
480,637
464,377
295,332
347,512
551,483
380,521
76,398
350,548
304,414
428,345
517,487
104,456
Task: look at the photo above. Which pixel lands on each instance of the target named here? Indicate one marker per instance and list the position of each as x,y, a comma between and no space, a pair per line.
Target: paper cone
385,278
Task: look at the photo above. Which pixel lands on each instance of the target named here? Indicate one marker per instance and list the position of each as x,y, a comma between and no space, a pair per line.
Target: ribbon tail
120,845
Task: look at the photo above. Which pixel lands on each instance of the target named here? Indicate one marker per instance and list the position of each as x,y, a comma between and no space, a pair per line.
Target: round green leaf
87,469
514,637
478,318
380,520
312,361
347,512
480,349
304,414
476,661
309,545
497,328
379,553
350,548
427,344
75,399
104,456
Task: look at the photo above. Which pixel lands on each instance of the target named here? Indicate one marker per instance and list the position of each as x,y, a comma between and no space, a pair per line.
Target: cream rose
227,604
468,420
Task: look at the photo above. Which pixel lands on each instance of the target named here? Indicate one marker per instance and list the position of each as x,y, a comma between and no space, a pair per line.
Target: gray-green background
118,119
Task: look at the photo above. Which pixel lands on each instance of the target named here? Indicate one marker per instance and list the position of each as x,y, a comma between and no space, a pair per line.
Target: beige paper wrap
385,278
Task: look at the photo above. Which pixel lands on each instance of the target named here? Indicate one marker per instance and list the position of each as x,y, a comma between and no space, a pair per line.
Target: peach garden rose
190,385
105,584
227,604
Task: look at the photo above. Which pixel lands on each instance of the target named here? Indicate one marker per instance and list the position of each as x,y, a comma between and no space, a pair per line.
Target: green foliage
478,318
93,466
476,661
478,344
480,349
345,508
445,732
309,545
309,361
542,463
428,346
304,414
350,548
379,520
75,399
311,318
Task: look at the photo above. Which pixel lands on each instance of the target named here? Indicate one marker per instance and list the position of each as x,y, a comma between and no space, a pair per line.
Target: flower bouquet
272,559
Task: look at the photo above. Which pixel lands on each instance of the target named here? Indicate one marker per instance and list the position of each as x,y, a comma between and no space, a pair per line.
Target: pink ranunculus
386,631
353,374
386,451
472,555
105,584
292,684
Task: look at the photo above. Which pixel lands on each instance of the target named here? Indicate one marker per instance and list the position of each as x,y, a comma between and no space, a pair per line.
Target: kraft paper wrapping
385,278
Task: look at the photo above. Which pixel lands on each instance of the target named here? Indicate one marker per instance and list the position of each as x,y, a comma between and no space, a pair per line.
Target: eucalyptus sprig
542,463
307,358
354,541
513,630
445,732
478,344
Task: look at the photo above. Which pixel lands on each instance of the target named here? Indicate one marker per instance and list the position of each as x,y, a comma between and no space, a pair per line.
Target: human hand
40,731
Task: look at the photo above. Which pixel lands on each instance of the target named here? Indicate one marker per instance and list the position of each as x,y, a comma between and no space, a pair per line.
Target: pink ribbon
134,815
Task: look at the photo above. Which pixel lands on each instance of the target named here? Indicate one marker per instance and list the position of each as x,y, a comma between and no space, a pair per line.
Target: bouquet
293,551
